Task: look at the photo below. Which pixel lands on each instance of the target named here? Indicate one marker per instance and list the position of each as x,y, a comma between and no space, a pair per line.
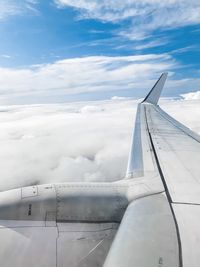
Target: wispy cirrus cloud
83,75
151,44
146,16
10,8
96,76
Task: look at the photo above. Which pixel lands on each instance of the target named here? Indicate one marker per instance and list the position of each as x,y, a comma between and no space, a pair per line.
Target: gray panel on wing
25,243
84,245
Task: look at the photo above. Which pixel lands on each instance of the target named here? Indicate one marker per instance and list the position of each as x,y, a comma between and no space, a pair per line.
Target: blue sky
64,50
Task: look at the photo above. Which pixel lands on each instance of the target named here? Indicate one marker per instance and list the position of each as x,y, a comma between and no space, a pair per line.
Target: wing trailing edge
154,95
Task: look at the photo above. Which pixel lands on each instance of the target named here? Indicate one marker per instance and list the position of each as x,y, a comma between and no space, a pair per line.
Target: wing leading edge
140,141
171,150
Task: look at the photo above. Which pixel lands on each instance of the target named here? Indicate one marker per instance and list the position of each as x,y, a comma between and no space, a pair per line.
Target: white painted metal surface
178,151
146,236
77,244
188,222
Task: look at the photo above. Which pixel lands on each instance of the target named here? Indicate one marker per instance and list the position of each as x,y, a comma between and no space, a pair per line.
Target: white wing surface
25,244
177,154
162,146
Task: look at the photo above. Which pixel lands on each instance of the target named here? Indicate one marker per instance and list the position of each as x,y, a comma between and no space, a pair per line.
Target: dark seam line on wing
167,192
92,231
186,203
13,227
87,221
156,159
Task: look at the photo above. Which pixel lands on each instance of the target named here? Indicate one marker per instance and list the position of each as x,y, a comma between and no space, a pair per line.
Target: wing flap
188,221
147,236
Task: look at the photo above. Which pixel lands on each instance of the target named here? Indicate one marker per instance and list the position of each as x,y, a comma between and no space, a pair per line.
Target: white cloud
58,81
8,8
118,98
69,142
81,75
185,111
12,7
89,109
191,96
59,143
5,56
151,44
146,15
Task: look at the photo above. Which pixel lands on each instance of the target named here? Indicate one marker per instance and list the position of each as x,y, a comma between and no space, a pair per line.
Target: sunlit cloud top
85,141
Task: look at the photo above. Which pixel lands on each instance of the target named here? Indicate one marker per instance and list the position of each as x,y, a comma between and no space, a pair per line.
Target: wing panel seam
166,190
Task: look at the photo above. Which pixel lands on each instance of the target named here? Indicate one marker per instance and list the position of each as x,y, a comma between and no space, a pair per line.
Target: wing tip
154,94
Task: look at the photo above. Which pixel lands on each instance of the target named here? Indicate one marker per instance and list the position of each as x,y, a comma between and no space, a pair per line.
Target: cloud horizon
85,141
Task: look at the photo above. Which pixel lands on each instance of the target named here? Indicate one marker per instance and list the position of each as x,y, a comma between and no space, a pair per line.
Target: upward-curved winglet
154,95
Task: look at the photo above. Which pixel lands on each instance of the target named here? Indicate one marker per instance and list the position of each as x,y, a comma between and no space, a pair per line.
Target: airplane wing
161,229
149,219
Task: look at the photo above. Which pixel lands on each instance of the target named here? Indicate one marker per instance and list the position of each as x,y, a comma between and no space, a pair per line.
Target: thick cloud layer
191,96
73,142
